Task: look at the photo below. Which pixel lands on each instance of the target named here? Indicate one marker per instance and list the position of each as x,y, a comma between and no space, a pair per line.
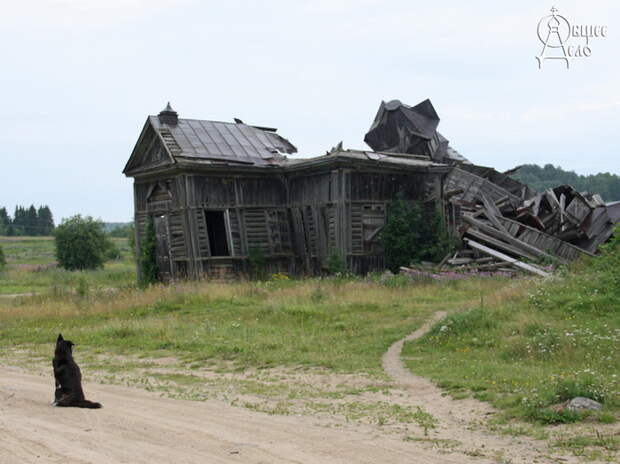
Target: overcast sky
79,77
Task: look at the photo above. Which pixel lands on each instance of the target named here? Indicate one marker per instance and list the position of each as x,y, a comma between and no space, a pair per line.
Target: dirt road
140,427
136,426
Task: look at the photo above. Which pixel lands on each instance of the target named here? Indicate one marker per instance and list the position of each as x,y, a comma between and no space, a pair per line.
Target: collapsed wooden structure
556,226
219,194
501,222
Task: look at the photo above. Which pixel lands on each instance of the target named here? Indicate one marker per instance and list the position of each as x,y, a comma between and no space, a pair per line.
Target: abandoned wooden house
219,192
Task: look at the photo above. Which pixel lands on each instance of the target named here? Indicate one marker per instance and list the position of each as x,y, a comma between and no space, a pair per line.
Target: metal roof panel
211,139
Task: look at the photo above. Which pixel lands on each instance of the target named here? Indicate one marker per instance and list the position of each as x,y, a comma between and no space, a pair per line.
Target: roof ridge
222,122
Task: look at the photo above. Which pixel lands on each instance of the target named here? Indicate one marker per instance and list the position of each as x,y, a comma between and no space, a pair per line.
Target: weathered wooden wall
366,201
294,220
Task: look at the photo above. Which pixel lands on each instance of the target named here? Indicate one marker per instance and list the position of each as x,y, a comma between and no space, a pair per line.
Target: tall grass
338,324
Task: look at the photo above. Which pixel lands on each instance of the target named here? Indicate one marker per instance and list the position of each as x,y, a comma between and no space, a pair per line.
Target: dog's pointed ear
59,339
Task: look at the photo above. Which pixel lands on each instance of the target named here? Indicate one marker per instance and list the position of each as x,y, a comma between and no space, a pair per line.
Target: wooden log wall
255,214
162,197
295,221
314,201
366,203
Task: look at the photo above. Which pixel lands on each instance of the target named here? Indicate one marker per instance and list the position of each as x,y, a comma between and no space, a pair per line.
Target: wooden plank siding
296,220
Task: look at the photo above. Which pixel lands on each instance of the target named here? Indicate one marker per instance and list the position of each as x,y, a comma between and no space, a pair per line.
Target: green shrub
2,259
335,263
257,263
80,243
413,234
111,250
551,417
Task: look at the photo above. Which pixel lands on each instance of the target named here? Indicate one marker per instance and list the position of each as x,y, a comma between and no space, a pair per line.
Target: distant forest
27,221
605,184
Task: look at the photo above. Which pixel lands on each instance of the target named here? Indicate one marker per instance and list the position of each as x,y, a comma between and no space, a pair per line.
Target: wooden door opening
216,229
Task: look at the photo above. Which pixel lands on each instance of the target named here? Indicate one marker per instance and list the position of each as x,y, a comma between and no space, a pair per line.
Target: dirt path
140,427
461,420
395,367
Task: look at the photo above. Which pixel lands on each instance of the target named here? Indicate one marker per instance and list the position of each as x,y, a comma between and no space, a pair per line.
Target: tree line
541,178
27,221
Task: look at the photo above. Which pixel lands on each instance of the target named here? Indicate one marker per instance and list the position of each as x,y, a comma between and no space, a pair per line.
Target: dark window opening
216,228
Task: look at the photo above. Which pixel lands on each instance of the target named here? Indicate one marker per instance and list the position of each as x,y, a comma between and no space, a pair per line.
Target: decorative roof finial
168,116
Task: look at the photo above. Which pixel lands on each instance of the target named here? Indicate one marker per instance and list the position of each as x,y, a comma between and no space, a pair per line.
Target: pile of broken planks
505,231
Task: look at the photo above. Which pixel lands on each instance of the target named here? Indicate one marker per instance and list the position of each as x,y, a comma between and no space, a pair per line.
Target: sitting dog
68,378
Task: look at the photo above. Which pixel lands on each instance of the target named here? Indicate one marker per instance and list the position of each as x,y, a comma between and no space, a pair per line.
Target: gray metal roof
194,142
215,140
380,158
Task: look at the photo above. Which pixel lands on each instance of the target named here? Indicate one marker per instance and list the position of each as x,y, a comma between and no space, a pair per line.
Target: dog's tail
89,404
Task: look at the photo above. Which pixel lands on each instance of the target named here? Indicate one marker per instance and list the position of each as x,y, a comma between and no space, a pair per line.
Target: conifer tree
31,222
45,221
19,221
5,221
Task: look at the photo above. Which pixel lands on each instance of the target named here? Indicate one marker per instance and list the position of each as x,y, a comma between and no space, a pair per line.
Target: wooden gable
150,152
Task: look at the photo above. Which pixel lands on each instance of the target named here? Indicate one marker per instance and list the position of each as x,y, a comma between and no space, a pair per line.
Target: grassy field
557,340
521,344
342,325
280,346
31,268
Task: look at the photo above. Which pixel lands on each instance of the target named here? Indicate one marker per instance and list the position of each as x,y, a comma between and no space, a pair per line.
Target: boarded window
373,220
218,236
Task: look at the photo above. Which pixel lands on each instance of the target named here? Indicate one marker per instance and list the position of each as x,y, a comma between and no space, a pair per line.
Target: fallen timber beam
493,266
502,200
451,193
484,267
539,239
492,213
444,260
509,259
460,261
479,235
507,237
